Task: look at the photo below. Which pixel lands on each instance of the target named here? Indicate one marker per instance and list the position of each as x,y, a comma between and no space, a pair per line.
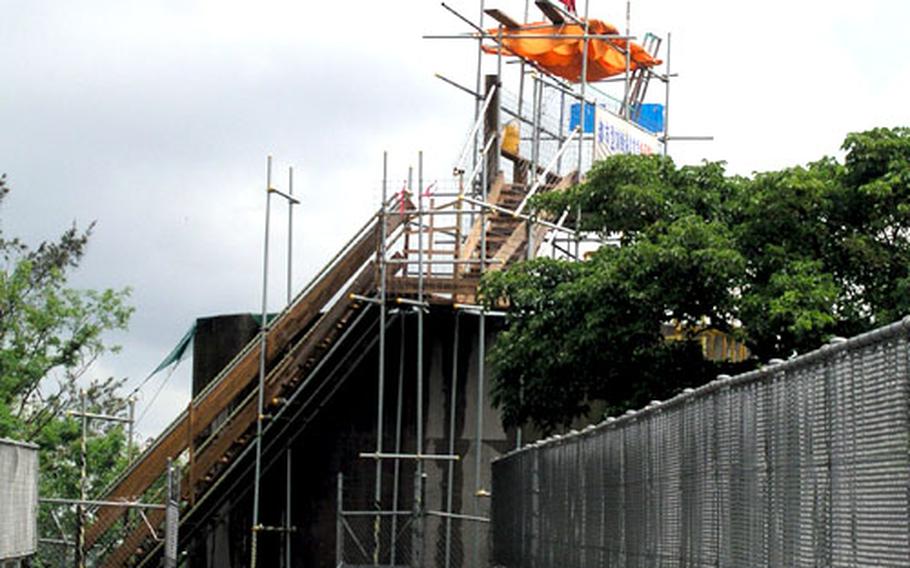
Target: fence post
339,522
80,508
535,509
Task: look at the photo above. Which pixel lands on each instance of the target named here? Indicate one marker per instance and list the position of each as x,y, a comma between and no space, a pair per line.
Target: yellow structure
716,345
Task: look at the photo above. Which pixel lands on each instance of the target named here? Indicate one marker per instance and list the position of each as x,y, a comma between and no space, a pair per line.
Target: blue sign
575,110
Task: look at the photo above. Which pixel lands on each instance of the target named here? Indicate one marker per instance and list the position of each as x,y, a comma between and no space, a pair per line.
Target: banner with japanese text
613,135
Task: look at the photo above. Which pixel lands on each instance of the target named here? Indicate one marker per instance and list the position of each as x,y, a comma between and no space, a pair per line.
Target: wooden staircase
507,234
216,432
296,342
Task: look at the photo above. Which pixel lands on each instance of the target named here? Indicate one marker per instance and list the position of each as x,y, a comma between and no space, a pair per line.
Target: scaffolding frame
442,268
472,202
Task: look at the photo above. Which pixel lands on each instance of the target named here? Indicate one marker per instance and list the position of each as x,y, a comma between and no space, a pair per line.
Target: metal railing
803,463
541,179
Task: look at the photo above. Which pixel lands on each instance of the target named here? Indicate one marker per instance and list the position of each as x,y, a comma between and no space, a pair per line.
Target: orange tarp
563,57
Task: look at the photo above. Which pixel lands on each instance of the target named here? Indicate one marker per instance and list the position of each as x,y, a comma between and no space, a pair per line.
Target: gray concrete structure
344,428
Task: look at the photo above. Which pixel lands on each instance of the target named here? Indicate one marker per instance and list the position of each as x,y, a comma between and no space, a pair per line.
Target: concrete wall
216,341
347,425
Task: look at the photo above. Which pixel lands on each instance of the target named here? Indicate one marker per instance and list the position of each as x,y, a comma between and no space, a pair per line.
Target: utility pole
80,508
84,415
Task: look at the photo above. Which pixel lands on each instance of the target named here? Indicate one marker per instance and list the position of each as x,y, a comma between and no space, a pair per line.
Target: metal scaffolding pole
562,118
450,474
584,84
380,379
263,344
399,405
477,79
290,232
478,441
536,102
131,434
474,36
288,526
418,491
667,99
581,121
628,54
339,520
397,464
288,521
521,72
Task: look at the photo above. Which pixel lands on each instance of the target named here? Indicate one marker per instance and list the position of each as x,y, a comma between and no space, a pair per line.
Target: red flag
569,4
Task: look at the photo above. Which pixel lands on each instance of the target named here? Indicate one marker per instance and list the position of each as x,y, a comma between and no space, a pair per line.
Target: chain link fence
388,539
56,536
58,530
407,536
802,463
376,538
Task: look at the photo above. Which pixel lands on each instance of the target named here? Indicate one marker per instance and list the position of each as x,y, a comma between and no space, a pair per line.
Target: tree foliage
782,260
50,335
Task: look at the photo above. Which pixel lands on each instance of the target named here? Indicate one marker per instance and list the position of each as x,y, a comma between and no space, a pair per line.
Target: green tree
781,260
50,335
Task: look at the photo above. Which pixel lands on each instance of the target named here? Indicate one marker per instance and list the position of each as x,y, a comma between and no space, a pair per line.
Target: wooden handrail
213,401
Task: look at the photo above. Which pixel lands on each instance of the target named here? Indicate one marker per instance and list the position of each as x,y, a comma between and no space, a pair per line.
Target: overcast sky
155,118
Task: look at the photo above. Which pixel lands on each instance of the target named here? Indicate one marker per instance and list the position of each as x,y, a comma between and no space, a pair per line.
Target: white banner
613,135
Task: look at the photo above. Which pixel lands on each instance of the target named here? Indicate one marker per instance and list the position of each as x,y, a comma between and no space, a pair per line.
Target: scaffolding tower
424,251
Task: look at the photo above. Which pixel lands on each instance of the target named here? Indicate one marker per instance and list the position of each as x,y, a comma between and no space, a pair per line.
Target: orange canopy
563,57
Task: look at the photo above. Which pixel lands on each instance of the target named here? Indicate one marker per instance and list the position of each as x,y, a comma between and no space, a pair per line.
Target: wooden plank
436,285
152,464
510,247
502,18
551,12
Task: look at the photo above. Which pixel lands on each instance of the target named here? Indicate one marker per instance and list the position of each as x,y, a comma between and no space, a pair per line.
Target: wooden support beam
502,18
551,12
407,285
491,129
